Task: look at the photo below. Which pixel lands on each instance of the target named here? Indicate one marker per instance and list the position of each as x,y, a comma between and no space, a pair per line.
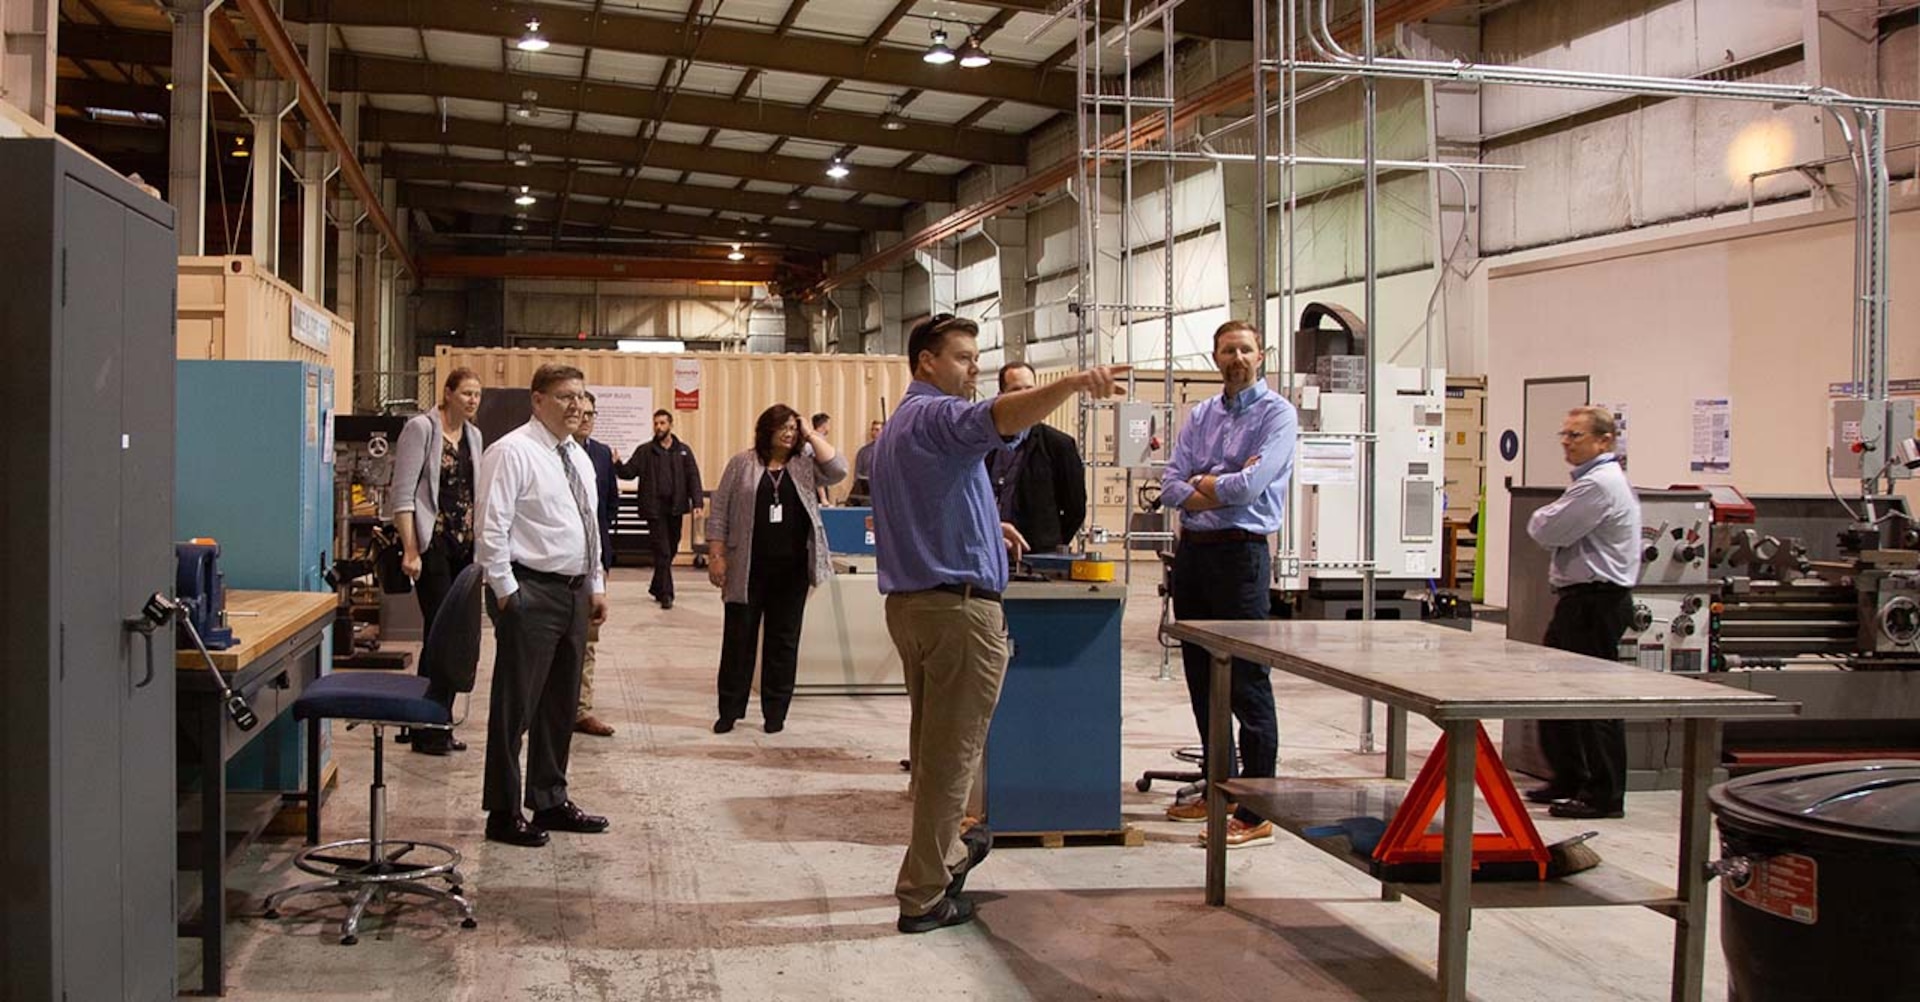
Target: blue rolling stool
376,867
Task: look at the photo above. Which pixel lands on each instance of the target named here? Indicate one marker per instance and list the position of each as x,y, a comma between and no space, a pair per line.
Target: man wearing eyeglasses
538,541
1593,535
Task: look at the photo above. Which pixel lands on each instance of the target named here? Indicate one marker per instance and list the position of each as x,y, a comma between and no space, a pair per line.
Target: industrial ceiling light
523,155
937,53
735,254
763,234
525,197
892,119
838,169
793,203
972,56
532,41
529,106
240,151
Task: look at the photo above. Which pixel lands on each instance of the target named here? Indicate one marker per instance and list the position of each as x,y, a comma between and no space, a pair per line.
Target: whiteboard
1542,463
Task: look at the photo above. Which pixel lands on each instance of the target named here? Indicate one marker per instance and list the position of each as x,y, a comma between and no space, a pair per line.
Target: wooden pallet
1127,835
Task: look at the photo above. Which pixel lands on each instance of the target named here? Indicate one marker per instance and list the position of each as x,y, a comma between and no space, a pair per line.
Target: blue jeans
1230,581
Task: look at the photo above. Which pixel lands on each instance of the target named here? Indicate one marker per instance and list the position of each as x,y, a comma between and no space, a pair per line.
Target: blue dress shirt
935,520
1219,438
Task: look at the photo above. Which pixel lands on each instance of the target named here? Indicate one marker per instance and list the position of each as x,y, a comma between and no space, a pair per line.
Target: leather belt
969,591
1221,536
1584,587
572,582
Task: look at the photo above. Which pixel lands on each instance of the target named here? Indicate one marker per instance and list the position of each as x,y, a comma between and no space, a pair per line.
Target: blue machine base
1053,752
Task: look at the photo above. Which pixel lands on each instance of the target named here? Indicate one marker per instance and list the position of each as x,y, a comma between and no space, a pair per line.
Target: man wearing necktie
537,539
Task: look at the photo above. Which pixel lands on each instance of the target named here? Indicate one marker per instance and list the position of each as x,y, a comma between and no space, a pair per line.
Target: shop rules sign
686,384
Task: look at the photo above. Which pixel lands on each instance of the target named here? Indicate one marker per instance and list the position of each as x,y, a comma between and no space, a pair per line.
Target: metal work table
277,654
1458,679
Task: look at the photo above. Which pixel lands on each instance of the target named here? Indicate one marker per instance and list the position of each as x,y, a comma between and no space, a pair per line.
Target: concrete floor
755,866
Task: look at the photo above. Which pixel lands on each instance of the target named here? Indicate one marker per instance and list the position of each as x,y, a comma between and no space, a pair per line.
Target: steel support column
268,100
187,126
28,51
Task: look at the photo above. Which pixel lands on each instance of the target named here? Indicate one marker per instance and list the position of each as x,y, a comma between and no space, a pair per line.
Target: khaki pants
585,709
954,652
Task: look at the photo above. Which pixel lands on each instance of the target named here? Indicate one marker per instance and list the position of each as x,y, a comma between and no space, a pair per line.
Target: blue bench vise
202,593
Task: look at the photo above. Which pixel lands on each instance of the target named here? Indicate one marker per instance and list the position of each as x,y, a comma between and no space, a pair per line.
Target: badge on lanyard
774,513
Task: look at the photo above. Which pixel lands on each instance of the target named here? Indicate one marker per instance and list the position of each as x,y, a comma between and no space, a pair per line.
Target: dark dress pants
1229,581
770,618
439,565
1589,757
663,534
539,641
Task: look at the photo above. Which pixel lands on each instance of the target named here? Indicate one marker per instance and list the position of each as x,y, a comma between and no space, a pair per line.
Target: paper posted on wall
1327,461
1712,450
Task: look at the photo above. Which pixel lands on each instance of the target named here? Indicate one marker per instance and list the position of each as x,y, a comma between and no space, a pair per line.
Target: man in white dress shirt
537,539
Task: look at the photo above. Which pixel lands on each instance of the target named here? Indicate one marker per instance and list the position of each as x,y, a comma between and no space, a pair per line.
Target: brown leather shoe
593,725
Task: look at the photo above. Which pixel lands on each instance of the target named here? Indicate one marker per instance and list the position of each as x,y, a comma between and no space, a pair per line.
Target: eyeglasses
588,414
569,399
1572,436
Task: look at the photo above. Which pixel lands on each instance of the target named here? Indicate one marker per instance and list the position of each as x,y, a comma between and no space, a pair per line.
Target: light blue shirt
1593,530
935,521
1221,435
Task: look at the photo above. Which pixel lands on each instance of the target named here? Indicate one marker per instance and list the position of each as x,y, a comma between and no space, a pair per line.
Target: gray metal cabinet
87,278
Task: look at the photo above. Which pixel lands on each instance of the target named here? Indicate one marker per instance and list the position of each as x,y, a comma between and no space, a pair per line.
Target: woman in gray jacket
766,549
433,486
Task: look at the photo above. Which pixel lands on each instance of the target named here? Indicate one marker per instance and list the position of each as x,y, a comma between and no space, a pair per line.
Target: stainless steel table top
1446,674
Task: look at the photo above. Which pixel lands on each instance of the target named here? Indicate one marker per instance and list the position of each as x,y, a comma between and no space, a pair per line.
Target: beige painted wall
1760,315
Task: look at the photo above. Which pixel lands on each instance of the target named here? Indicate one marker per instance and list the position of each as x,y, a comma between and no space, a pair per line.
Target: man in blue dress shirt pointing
942,553
1228,477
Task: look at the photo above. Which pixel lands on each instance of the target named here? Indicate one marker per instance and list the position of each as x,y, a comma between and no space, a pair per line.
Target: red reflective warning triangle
1407,839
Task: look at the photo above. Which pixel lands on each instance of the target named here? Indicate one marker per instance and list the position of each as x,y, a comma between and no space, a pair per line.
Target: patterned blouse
454,523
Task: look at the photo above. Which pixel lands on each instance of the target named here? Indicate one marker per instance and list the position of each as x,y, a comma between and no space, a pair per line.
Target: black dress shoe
979,842
723,725
1548,794
667,603
775,726
429,742
950,911
513,829
1584,811
569,818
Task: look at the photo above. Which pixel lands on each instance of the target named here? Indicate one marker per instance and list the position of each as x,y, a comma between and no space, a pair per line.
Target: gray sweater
730,515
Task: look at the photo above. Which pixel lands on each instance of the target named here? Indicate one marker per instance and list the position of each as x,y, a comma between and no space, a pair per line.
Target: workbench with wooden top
1457,679
277,653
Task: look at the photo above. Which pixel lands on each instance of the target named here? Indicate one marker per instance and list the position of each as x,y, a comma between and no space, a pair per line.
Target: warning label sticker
1787,886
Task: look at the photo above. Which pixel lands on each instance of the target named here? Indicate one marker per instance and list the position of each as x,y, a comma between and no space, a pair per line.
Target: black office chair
376,867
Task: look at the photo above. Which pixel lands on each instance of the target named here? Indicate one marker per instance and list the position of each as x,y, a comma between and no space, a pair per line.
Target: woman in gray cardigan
433,488
766,549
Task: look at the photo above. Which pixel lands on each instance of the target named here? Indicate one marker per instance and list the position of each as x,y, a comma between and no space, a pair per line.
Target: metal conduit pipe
286,59
1343,61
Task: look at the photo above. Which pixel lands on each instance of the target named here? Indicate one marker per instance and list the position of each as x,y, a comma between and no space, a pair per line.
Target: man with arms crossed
539,542
1593,535
1228,476
942,553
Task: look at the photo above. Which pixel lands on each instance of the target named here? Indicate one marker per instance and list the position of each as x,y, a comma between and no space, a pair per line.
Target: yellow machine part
1091,570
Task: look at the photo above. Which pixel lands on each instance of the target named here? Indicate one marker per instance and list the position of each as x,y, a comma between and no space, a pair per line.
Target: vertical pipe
1259,318
1368,487
187,126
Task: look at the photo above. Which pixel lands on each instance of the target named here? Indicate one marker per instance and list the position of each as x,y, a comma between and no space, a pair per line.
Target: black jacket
669,478
607,489
1051,497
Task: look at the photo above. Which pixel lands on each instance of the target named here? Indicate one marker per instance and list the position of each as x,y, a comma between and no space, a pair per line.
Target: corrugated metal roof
403,43
629,68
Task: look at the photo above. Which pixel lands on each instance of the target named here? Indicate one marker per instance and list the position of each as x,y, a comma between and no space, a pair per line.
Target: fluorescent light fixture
938,54
838,169
532,41
525,197
972,56
735,254
650,346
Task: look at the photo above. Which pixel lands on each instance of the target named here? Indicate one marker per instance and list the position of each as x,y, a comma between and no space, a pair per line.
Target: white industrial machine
1327,570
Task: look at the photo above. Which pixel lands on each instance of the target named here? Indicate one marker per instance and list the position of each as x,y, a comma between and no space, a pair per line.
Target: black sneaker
979,842
950,911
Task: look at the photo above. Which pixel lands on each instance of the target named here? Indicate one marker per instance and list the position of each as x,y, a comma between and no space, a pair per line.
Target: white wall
1759,315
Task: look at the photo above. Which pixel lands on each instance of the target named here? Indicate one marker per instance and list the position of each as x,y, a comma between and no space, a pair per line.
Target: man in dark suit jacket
669,489
607,486
1042,485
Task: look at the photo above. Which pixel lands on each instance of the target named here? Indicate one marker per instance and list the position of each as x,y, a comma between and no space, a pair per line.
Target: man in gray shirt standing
1593,534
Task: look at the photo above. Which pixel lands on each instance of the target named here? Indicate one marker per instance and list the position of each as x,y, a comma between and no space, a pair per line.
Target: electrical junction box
1136,434
1867,439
